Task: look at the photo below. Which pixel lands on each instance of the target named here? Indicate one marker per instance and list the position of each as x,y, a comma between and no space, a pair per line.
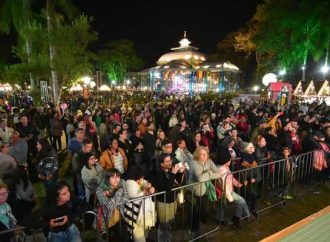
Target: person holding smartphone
57,215
91,175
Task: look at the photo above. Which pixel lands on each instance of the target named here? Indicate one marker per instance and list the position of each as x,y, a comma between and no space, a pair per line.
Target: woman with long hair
114,157
195,143
160,138
112,196
58,213
202,170
91,175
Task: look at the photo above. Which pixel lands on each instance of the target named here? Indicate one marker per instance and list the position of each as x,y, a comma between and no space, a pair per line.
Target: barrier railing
262,187
305,173
304,165
181,211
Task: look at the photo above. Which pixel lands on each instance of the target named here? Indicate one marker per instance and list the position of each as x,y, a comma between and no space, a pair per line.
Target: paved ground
274,220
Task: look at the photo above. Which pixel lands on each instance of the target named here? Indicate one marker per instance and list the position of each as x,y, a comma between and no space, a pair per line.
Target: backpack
47,166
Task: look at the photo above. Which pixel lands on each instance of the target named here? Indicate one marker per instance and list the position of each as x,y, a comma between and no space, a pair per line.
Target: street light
324,70
86,80
92,84
282,72
255,88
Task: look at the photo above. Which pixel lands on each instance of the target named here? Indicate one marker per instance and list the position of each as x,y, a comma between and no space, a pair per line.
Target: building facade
185,69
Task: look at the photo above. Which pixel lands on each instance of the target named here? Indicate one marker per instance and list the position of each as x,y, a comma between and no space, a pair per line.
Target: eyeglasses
168,146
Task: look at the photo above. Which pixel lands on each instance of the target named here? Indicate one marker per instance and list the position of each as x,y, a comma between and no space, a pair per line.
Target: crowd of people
121,151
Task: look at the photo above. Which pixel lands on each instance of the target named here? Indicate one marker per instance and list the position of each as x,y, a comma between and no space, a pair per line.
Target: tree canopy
72,59
117,58
284,34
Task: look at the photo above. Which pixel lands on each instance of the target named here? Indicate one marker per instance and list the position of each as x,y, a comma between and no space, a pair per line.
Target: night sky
156,26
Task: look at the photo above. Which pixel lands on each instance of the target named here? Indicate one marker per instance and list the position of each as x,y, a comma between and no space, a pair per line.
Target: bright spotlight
324,69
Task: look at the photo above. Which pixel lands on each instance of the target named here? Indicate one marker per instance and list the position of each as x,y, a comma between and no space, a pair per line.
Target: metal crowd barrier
187,214
176,220
18,234
272,181
305,174
304,166
264,186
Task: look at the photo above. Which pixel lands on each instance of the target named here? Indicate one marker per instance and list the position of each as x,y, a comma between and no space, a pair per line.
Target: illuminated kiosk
312,91
184,69
280,92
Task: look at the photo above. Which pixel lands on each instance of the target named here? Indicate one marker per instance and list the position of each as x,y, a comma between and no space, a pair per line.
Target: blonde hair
2,185
198,151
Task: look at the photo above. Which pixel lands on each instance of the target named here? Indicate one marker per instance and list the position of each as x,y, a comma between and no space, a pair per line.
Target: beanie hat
246,145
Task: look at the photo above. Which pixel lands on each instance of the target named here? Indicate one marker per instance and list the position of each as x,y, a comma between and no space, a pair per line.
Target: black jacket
165,181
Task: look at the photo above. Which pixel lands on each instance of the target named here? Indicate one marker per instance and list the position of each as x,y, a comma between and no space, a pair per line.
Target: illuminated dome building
184,69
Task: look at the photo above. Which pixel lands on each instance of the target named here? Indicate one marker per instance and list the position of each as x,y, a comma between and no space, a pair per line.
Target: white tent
76,88
105,88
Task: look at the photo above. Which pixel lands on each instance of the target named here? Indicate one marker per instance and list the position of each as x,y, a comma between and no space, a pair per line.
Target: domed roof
183,52
181,55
